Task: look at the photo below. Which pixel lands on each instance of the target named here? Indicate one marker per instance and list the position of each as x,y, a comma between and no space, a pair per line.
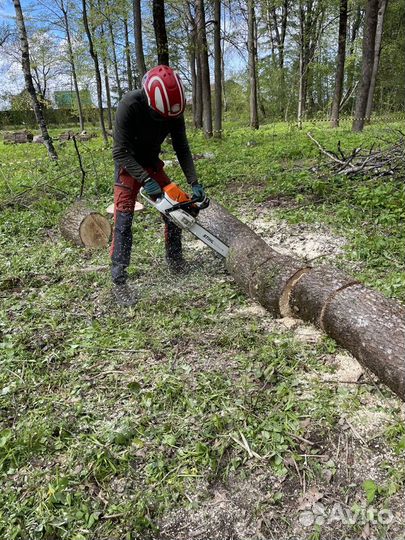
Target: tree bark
128,56
254,117
363,321
205,70
94,56
195,68
217,70
106,79
370,25
377,54
115,61
140,58
72,64
26,67
159,25
340,67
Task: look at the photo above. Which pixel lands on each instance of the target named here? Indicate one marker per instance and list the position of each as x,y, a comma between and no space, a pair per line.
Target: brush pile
373,162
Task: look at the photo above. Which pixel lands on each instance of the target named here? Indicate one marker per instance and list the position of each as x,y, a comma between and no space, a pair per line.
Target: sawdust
307,241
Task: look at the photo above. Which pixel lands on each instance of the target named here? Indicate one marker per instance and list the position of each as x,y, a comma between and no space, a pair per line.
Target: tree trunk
140,58
254,118
128,56
302,71
115,62
94,56
218,66
340,67
205,70
224,98
377,54
351,86
198,117
195,68
370,25
363,321
159,25
106,79
84,227
73,66
26,67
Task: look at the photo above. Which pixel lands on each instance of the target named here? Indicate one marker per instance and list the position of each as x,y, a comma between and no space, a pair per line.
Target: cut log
263,273
361,320
311,293
85,227
372,328
17,137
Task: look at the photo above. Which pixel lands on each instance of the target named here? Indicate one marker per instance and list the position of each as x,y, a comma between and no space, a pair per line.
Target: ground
194,414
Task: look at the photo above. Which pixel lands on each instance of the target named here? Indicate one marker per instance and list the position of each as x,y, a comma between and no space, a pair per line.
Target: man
143,120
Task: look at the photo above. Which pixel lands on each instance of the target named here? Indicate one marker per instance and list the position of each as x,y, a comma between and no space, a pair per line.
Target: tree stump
84,227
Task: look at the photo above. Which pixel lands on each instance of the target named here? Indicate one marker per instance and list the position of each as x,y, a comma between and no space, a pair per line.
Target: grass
112,419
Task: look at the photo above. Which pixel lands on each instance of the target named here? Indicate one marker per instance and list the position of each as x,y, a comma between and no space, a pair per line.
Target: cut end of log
85,227
285,309
95,231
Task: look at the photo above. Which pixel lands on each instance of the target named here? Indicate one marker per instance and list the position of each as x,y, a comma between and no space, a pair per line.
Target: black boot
124,295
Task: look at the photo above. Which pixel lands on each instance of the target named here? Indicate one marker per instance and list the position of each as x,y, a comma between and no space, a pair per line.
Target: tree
310,16
377,54
254,118
5,33
159,25
26,67
368,53
340,67
104,60
195,67
71,57
218,68
94,55
140,58
128,56
202,49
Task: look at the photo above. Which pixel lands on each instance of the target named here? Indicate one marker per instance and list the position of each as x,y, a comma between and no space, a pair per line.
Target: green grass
108,418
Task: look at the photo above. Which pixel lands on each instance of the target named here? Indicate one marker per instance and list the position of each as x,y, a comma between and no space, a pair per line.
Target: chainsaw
182,210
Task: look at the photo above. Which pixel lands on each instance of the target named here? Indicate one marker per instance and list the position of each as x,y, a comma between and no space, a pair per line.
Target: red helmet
164,91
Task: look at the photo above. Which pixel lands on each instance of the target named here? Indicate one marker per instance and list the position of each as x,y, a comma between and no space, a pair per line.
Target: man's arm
182,149
125,120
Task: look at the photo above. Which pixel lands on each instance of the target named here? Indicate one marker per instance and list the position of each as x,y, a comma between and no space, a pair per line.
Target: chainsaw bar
177,213
209,239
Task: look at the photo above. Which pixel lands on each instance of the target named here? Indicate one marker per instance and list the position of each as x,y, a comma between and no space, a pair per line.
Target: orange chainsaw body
176,194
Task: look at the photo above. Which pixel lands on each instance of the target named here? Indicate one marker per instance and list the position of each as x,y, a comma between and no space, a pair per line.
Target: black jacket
139,132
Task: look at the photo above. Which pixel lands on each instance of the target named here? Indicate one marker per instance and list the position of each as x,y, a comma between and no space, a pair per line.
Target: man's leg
173,245
125,192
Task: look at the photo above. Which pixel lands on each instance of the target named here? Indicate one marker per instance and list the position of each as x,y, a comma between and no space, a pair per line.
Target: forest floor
194,415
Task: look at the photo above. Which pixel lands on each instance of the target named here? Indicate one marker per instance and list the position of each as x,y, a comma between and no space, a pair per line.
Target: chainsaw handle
186,204
147,198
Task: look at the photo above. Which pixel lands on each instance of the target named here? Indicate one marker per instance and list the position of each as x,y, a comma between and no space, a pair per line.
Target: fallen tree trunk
361,320
84,227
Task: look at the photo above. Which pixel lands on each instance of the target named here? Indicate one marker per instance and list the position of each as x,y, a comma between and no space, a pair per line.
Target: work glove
198,192
152,188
